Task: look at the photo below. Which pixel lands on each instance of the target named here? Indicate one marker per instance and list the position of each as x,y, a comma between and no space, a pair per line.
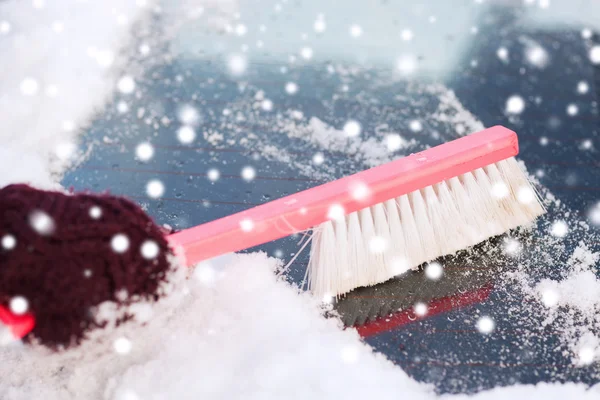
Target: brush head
65,255
385,240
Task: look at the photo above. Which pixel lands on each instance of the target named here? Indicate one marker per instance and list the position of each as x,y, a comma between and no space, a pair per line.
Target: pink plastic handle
309,208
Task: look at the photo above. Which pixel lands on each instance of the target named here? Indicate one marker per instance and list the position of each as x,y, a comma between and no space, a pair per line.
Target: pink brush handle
309,208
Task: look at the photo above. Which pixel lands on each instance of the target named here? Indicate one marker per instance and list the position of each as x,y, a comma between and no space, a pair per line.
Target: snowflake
586,33
213,174
378,244
144,151
512,246
126,85
9,242
205,274
336,211
416,125
595,54
188,115
434,271
237,64
572,110
248,173
122,107
144,49
420,309
318,159
399,265
587,144
406,64
352,128
586,355
266,105
186,134
278,253
544,3
319,25
29,86
356,30
291,88
155,188
150,250
241,29
4,27
41,222
306,53
502,54
119,243
360,191
95,212
485,325
122,345
247,225
544,141
515,105
559,229
432,19
536,56
18,305
500,190
550,297
583,87
594,215
406,35
65,150
525,195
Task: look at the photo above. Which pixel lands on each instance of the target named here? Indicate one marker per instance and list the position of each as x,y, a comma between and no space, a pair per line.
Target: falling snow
237,64
95,212
42,223
213,174
486,325
120,243
356,31
155,188
583,87
144,151
18,305
291,88
126,85
248,173
559,229
122,345
595,54
434,271
9,242
150,250
352,128
515,105
186,134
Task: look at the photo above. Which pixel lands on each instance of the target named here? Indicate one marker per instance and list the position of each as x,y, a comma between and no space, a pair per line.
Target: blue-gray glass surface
267,107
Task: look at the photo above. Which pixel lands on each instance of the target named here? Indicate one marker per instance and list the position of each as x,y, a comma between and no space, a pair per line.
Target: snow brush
67,253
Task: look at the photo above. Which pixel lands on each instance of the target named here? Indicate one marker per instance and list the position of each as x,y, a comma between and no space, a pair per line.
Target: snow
211,331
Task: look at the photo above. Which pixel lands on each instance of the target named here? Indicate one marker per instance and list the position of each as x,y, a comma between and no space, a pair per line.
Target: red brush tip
19,325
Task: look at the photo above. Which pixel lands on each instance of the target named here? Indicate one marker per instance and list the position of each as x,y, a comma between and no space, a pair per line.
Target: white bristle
379,242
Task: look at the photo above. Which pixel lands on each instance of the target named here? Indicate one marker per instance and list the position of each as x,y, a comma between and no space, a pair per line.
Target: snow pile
61,65
573,305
